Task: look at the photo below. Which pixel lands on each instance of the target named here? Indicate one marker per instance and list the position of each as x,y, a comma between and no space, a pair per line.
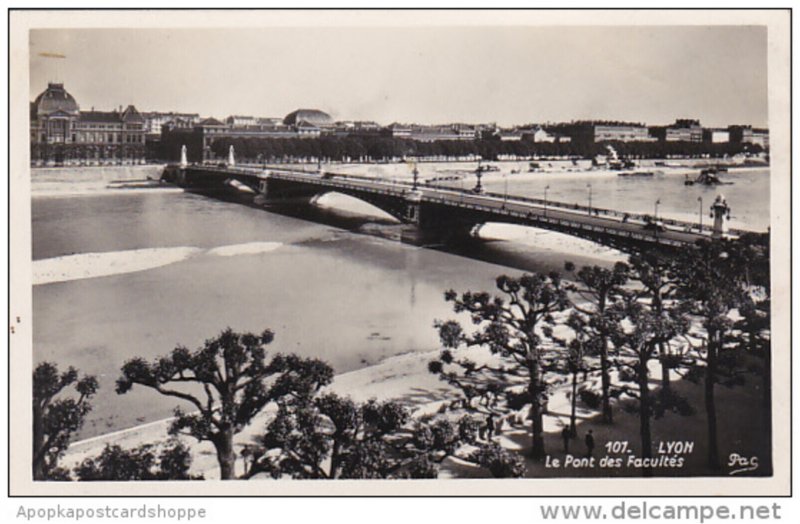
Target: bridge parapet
439,210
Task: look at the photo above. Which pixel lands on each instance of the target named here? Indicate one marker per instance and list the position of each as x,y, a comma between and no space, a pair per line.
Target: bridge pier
419,236
174,175
272,192
425,226
436,216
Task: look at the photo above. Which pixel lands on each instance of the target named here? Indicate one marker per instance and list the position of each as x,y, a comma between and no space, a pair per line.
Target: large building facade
62,134
200,137
684,130
749,135
622,133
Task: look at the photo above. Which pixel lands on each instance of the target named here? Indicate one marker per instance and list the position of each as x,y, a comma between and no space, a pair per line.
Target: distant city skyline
508,75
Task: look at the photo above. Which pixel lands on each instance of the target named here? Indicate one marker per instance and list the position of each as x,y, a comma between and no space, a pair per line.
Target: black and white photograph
399,248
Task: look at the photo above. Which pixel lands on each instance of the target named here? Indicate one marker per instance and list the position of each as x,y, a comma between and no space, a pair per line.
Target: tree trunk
710,403
537,423
573,429
38,443
225,455
335,457
644,417
665,368
608,415
605,379
658,308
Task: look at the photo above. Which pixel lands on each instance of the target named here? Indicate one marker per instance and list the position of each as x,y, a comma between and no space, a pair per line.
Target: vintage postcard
545,251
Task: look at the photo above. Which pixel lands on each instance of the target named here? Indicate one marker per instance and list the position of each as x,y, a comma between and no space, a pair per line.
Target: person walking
589,443
565,436
490,426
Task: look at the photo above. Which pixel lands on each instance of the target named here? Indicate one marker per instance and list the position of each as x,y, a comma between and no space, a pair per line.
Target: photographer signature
743,464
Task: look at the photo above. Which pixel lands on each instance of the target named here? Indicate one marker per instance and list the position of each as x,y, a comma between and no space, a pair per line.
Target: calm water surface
327,291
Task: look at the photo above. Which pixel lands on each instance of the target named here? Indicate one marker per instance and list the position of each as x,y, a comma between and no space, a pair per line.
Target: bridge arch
440,212
278,190
548,239
339,200
634,243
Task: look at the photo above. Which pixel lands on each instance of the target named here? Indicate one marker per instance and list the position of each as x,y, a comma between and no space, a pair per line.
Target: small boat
616,165
707,177
133,184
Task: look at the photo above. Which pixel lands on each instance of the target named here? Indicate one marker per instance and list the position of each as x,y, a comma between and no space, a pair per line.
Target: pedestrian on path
589,444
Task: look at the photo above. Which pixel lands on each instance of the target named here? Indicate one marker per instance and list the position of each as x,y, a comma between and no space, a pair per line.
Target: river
124,273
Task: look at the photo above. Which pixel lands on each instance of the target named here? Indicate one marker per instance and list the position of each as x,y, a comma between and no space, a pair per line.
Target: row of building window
91,138
98,126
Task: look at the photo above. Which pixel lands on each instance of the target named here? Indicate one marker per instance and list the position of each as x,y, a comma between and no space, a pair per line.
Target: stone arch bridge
437,214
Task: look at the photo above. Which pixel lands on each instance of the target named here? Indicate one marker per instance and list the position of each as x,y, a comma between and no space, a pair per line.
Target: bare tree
640,332
598,287
507,326
713,283
332,437
236,379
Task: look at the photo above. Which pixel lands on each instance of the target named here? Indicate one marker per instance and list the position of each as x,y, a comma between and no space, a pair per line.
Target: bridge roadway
510,209
605,226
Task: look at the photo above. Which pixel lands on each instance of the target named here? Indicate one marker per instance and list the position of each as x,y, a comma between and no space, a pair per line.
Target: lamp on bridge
700,199
478,175
590,197
545,198
505,189
720,212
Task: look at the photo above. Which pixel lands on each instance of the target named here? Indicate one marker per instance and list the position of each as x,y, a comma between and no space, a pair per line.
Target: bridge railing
596,211
367,184
649,236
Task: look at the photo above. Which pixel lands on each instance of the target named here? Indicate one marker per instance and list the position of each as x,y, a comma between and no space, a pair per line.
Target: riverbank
521,169
91,180
402,377
405,378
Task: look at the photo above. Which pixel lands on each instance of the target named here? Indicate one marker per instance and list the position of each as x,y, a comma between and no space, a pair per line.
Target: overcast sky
506,75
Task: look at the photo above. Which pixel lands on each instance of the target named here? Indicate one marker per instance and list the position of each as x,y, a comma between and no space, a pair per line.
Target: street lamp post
416,178
505,189
590,197
655,212
545,198
700,199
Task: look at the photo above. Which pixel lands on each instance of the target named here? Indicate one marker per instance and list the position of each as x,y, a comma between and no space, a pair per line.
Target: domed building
309,116
55,99
62,134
